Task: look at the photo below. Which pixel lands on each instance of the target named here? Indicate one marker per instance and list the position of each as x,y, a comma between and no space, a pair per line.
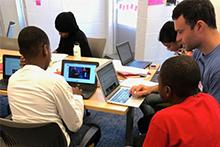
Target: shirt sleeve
84,45
69,106
156,136
214,84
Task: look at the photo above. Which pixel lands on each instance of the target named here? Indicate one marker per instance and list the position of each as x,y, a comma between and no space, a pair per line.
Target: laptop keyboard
122,96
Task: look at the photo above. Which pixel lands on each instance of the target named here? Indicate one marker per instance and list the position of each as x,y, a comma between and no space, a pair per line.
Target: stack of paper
56,61
137,81
128,70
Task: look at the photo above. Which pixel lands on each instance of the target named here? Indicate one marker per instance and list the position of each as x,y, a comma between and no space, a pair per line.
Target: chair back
16,134
9,43
97,46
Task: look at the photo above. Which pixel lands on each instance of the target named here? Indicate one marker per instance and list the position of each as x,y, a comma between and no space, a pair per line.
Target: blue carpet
112,127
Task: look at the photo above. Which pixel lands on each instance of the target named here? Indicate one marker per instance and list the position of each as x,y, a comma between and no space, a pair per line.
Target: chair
11,28
16,134
9,43
31,135
97,46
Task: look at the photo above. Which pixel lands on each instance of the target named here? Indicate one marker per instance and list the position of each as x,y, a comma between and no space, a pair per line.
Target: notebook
11,64
80,74
127,58
113,92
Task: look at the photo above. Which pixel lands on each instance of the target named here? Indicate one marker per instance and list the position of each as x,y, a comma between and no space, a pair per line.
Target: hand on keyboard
76,90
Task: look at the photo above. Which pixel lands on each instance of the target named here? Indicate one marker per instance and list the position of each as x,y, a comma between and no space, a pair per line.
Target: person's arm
69,106
142,90
214,86
59,48
84,45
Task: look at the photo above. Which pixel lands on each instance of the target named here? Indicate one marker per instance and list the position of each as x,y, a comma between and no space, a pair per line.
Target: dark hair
167,33
181,74
194,10
30,40
66,22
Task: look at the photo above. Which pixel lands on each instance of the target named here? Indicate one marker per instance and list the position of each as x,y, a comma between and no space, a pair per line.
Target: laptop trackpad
135,102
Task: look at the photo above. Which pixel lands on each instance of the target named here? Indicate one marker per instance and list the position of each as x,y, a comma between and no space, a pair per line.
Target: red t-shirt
193,123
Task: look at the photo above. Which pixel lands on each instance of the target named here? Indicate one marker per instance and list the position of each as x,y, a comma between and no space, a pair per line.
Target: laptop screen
107,78
10,65
79,72
124,52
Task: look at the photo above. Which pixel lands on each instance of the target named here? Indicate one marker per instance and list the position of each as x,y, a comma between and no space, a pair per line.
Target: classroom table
97,101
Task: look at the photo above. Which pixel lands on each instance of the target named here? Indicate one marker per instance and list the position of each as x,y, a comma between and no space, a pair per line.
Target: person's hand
141,90
76,90
22,61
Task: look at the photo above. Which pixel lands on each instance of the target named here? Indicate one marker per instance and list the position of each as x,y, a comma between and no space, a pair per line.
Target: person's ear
167,92
200,25
45,50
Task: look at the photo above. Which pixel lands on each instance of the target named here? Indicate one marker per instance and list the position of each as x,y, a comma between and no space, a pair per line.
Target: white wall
90,16
216,4
9,13
149,23
44,16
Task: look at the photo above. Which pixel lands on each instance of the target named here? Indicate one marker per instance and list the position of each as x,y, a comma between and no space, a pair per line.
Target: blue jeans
4,106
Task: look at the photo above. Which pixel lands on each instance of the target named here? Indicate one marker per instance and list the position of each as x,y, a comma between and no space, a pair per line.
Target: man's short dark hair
167,33
181,74
30,40
194,10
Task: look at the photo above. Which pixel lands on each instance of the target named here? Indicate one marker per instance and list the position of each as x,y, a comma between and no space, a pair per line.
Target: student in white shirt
37,96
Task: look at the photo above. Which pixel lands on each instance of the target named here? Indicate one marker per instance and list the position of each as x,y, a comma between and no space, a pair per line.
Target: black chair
16,134
31,135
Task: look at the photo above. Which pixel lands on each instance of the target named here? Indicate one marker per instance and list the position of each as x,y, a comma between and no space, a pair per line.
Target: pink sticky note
155,2
38,2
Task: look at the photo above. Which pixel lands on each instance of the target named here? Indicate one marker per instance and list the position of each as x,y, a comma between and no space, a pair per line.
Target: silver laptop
127,58
80,74
111,88
11,64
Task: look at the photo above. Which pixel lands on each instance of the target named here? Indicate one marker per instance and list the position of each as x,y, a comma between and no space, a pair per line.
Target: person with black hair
194,117
38,96
196,28
70,34
167,37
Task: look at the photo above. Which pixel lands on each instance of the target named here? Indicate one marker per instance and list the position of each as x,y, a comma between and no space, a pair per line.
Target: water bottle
77,51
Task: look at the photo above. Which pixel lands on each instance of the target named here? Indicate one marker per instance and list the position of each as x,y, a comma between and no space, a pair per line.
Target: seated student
70,33
167,37
194,117
38,96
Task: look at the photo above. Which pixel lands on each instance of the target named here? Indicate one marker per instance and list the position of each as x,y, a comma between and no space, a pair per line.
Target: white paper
129,82
133,70
56,61
56,57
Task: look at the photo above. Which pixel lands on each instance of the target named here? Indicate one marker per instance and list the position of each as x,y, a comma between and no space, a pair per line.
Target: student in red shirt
194,117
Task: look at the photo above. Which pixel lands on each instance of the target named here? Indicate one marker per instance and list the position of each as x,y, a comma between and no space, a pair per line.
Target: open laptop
111,88
11,64
80,74
127,58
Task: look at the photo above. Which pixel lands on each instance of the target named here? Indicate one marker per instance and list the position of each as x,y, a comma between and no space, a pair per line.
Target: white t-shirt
37,96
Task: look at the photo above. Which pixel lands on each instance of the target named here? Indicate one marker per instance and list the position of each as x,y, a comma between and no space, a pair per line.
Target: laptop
80,74
113,92
11,64
127,58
